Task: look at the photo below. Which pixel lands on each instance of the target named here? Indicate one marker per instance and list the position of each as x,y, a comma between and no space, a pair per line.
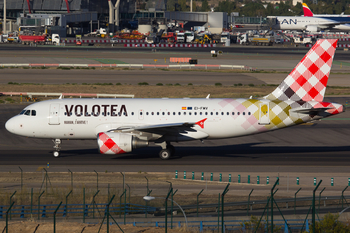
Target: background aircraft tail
307,11
308,80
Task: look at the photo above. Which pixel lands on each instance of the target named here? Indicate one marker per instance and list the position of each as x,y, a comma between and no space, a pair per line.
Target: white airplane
121,125
301,23
341,18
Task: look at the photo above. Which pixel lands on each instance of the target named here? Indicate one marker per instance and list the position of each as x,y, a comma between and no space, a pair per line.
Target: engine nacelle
118,143
312,28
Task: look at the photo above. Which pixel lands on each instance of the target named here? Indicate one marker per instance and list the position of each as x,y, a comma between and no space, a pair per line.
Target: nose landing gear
57,147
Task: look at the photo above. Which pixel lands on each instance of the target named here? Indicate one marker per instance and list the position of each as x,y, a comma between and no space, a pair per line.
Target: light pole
150,198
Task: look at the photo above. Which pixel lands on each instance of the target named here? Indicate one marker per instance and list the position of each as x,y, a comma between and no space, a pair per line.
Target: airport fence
97,203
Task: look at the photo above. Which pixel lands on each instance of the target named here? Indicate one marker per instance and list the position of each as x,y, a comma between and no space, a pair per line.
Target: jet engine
312,28
118,143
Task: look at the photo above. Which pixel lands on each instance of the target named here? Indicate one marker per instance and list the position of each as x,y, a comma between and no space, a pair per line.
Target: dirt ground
74,227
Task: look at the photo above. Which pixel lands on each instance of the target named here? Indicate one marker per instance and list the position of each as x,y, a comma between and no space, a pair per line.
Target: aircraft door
141,113
54,114
264,114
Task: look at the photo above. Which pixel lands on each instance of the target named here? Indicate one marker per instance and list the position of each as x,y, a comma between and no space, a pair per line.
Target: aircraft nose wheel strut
57,147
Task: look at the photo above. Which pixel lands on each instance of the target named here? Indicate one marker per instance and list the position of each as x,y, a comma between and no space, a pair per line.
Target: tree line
252,8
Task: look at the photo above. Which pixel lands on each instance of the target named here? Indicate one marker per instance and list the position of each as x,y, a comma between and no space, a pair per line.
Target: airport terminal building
71,17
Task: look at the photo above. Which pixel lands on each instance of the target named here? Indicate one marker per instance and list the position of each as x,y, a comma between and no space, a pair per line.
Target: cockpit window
27,112
21,113
33,113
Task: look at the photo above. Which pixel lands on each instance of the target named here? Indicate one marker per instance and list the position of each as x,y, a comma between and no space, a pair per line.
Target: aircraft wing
330,24
159,126
163,128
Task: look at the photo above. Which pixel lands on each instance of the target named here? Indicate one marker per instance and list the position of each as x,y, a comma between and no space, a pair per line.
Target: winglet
307,11
201,123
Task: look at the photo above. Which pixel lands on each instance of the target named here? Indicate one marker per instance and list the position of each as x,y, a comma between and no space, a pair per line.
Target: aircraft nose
11,125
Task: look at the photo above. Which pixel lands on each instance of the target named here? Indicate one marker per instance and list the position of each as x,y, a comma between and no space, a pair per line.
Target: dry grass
74,227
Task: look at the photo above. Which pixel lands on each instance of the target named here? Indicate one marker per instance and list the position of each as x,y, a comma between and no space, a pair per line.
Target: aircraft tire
165,154
56,154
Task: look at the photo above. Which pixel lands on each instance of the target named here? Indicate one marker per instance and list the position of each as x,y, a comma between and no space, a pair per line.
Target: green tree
170,5
330,224
253,9
205,6
226,6
183,5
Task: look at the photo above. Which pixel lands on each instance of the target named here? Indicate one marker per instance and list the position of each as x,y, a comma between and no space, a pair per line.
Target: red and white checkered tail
309,78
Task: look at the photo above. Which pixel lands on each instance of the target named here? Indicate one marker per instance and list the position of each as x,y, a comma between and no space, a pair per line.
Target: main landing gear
167,151
57,147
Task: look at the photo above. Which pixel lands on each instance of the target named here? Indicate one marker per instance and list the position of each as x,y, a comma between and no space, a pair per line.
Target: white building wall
217,21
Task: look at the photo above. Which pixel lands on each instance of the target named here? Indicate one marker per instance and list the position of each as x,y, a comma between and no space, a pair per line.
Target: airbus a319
122,125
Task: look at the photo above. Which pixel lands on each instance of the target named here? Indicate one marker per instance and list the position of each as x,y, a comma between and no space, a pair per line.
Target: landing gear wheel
165,154
57,147
56,154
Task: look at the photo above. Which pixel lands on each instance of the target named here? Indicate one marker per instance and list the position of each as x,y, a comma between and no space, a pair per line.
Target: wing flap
148,128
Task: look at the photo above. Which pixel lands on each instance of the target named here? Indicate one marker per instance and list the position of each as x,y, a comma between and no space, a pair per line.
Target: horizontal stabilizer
311,111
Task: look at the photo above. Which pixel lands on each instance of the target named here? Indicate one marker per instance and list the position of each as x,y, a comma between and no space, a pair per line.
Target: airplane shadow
249,150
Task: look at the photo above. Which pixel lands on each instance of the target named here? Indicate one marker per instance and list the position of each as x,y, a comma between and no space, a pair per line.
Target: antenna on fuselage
207,96
61,97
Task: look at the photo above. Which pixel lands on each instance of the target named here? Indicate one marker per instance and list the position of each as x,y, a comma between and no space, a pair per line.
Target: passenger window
195,113
168,113
184,113
217,113
248,113
157,113
189,113
238,113
179,113
163,113
227,113
206,113
132,113
147,113
211,113
174,113
27,112
140,113
243,113
222,113
33,113
152,113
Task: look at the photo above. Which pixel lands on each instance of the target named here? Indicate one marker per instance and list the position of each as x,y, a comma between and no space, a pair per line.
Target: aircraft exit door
264,114
54,114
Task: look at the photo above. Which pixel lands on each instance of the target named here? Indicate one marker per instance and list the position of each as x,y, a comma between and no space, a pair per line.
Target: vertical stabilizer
307,11
309,78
